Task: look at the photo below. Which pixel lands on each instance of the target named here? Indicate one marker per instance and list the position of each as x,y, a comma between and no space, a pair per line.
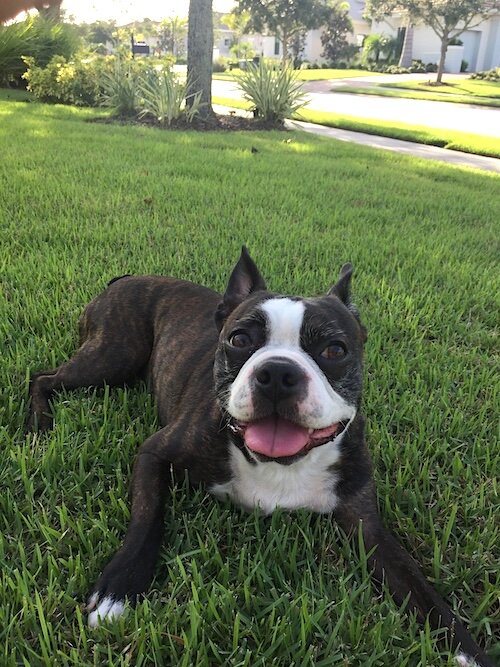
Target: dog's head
288,370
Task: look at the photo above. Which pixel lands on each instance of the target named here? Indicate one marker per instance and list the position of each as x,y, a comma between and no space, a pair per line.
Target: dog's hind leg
108,354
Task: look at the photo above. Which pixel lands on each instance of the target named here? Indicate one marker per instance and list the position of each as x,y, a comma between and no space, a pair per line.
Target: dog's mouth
277,437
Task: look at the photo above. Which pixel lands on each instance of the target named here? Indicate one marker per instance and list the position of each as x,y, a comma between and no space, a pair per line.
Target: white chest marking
307,483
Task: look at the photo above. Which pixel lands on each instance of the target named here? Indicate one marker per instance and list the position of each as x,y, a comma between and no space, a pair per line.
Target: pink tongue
275,436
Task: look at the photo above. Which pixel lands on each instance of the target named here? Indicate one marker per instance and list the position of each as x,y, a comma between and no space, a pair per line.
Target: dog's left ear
244,280
342,288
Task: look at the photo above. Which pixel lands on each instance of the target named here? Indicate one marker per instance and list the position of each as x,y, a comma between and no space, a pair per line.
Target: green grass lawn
389,90
84,202
309,74
452,87
457,141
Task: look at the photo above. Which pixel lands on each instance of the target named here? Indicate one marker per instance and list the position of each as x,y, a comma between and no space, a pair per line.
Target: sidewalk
409,148
417,150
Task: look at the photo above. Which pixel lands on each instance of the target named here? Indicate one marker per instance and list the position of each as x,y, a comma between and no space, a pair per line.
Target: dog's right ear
245,279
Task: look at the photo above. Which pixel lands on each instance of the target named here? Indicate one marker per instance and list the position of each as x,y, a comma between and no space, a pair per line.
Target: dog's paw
462,660
103,609
124,579
38,422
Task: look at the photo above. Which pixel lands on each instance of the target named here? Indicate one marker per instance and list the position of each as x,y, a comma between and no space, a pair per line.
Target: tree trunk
200,53
444,49
407,50
284,45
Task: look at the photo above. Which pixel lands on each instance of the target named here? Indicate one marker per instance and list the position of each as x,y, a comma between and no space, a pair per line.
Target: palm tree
406,57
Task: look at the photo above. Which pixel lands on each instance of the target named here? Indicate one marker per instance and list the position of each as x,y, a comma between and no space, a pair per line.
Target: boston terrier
259,400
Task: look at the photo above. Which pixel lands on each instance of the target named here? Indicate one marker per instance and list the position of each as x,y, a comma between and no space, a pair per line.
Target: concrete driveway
443,115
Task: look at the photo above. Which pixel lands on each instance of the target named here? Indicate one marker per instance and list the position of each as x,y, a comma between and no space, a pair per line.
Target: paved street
461,117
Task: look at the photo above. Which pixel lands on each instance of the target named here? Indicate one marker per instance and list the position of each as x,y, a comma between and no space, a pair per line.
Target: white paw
107,610
463,660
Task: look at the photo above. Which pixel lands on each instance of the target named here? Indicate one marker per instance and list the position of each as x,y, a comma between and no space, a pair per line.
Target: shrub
464,66
76,82
34,38
488,75
396,69
89,80
417,67
164,98
220,65
276,94
120,89
431,67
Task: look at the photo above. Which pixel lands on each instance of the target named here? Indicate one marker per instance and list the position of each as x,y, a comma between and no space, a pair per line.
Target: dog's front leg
392,565
128,575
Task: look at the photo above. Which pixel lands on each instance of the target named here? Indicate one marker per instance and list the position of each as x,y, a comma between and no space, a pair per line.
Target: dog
259,400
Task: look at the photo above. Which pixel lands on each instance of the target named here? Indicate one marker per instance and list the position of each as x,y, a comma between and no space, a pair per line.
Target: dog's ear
244,280
342,288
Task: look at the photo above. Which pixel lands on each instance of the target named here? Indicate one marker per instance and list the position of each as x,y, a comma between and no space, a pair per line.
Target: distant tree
242,50
100,32
200,53
236,22
373,45
447,18
284,18
337,26
297,47
171,35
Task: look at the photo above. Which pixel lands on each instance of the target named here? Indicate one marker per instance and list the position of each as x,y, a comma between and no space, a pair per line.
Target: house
268,46
480,46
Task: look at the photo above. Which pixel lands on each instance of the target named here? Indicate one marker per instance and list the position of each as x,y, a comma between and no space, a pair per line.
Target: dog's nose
278,379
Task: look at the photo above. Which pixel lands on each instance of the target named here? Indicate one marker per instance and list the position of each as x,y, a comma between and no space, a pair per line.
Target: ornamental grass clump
276,93
121,88
34,38
164,98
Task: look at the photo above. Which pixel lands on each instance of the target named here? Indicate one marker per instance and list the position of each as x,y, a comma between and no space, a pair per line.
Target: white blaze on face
322,406
285,318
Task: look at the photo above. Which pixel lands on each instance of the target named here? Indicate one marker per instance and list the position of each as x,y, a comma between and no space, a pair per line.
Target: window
276,46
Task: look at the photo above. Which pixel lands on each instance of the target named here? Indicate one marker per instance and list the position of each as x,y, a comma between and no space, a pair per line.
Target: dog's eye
240,339
334,351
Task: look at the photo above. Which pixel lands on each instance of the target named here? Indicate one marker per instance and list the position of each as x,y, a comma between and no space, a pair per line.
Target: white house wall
481,46
489,48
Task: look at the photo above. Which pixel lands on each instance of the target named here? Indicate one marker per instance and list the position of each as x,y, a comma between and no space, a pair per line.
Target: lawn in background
457,141
390,90
83,202
452,87
310,74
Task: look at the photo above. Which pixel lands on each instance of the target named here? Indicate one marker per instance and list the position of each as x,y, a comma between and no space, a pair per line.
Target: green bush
276,93
33,38
90,80
164,98
488,75
220,64
76,82
417,67
121,88
396,69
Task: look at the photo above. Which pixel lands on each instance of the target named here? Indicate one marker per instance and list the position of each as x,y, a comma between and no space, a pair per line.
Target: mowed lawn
83,202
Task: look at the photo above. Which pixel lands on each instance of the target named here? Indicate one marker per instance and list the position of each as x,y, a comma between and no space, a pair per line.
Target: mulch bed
216,123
